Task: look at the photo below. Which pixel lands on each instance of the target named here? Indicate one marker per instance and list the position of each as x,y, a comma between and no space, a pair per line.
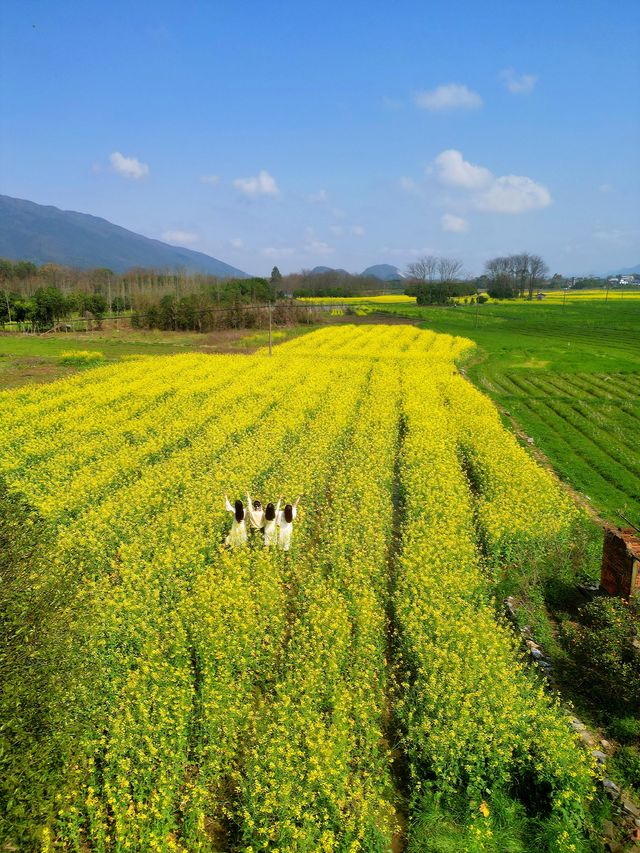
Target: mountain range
44,234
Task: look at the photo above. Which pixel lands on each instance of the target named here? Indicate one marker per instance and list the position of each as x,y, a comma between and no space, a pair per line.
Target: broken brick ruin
620,573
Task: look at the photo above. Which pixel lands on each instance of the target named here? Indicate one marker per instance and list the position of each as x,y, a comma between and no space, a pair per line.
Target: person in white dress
270,524
256,514
285,520
238,535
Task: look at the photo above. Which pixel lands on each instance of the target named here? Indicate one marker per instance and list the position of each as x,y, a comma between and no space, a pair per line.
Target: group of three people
276,525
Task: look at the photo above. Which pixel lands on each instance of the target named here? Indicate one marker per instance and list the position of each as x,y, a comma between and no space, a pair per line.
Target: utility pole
270,352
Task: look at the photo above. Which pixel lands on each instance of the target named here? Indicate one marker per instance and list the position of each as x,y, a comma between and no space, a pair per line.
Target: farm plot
587,424
163,693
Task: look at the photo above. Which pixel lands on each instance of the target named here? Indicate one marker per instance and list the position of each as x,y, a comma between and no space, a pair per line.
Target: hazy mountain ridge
46,234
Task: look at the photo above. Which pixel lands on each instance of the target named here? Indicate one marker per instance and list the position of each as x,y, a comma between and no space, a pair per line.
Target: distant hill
627,271
319,270
385,272
44,234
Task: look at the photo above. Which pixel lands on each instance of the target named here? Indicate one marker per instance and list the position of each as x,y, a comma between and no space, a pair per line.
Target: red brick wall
620,574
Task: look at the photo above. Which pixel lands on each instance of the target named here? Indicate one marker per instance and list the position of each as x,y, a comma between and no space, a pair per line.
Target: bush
627,763
81,357
606,661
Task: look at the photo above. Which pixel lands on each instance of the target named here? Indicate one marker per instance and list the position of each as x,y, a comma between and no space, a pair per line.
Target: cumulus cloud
453,170
128,167
261,184
210,179
513,194
456,224
180,238
488,193
518,84
451,96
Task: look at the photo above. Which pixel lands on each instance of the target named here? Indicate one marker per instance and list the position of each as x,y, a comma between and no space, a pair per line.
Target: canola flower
211,694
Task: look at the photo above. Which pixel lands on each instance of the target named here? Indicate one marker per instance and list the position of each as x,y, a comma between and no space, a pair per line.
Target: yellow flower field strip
378,342
123,747
19,407
80,474
317,776
519,505
226,717
473,714
123,428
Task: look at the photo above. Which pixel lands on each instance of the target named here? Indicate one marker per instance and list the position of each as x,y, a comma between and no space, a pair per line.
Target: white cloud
180,238
210,179
261,184
318,247
452,169
319,197
275,252
236,243
456,224
128,167
513,194
451,96
518,84
505,194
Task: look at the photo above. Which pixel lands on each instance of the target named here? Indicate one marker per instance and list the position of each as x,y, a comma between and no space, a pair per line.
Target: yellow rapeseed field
197,698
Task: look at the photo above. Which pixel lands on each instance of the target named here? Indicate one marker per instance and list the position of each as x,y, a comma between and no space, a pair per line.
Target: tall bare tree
538,271
424,269
449,269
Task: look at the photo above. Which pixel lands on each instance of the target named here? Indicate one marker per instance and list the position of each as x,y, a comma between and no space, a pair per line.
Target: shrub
605,660
81,357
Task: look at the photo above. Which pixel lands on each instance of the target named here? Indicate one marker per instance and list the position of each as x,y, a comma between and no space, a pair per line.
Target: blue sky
344,134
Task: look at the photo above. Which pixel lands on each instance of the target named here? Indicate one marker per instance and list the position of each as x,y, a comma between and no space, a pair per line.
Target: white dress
271,529
286,528
256,516
238,535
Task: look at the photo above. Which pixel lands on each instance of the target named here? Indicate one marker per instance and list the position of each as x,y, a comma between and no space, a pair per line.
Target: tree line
45,295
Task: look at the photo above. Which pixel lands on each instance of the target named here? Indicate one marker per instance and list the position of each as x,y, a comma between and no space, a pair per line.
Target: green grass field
570,377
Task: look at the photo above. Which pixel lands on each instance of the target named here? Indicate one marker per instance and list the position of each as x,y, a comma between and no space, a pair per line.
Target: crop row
475,718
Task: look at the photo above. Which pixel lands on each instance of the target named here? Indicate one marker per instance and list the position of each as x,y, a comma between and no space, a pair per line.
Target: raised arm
296,502
228,506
